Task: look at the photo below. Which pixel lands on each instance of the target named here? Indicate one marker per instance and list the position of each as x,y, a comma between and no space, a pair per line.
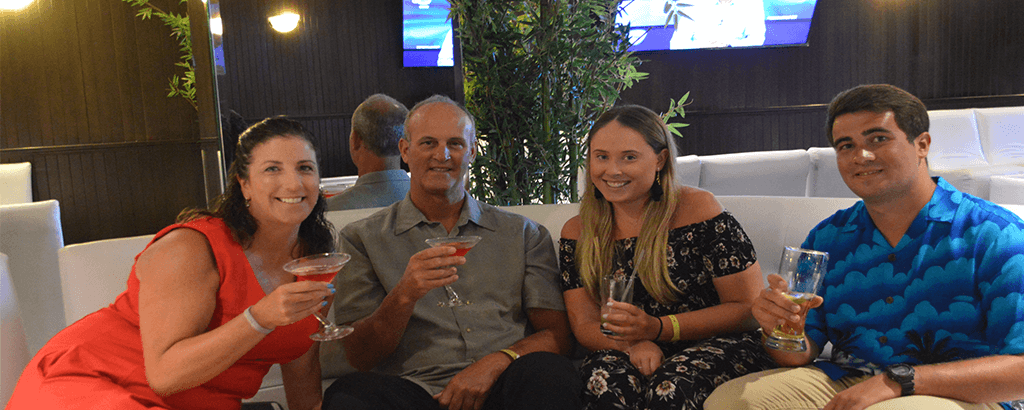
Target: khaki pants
809,388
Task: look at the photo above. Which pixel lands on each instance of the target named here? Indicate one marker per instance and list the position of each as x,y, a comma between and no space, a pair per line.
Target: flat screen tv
701,24
426,34
654,25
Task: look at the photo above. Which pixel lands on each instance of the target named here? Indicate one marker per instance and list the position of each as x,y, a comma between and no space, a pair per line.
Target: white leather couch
91,274
30,235
771,223
13,349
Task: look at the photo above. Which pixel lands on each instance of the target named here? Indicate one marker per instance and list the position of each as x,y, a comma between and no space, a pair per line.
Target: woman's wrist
255,324
661,329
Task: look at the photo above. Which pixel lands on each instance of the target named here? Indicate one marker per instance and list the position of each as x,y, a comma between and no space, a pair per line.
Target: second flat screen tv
654,25
696,24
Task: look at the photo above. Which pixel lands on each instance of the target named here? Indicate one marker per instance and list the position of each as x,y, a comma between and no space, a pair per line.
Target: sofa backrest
770,222
687,169
1002,135
30,235
955,141
13,347
767,173
824,180
15,183
92,274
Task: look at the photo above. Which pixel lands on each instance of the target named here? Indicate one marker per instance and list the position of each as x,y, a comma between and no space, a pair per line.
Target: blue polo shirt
950,289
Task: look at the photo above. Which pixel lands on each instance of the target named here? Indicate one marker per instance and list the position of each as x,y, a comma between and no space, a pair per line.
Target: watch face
902,371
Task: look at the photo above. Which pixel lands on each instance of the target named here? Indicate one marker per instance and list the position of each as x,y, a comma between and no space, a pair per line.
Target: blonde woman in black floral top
689,328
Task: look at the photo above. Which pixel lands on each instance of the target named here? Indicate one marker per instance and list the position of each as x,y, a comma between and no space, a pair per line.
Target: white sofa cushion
31,236
92,274
955,140
13,348
687,170
773,223
824,180
15,183
1007,189
1002,135
768,173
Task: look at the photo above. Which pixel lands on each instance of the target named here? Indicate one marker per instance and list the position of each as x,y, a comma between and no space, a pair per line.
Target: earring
656,190
247,202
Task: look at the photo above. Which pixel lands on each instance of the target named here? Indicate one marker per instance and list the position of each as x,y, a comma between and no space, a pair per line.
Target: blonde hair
596,246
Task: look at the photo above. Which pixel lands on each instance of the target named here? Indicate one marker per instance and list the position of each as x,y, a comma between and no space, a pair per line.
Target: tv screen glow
695,24
426,34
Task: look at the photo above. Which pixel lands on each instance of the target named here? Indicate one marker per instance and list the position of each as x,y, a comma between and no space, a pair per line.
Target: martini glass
321,268
462,245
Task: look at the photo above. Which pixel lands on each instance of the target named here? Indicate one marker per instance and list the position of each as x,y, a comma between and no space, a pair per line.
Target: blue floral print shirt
950,289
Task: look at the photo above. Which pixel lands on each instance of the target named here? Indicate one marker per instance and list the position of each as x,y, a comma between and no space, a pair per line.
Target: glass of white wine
803,270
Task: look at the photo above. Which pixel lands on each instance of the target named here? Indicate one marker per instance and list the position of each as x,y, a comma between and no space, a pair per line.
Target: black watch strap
903,374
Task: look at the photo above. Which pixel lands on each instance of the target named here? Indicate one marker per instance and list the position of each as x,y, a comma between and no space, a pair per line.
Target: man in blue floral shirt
923,300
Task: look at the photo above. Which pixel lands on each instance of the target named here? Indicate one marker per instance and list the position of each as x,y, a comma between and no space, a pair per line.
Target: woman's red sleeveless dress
97,362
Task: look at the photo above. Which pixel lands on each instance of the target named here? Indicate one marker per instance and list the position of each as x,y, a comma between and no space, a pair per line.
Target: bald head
438,99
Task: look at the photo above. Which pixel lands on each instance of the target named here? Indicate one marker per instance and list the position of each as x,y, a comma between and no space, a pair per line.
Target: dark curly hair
315,232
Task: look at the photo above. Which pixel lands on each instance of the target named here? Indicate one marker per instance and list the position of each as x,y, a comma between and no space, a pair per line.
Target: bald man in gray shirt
505,347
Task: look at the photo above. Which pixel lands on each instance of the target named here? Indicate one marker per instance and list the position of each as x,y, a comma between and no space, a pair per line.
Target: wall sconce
284,22
14,5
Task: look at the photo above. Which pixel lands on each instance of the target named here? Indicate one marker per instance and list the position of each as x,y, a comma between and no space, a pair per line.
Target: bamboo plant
537,73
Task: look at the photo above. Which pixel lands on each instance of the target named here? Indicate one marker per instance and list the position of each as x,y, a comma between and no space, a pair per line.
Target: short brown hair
911,114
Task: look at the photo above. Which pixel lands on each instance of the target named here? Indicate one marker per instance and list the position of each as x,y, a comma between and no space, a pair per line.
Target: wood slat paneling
342,52
83,92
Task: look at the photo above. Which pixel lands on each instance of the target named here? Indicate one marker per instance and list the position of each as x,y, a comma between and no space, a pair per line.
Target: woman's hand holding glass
291,302
629,323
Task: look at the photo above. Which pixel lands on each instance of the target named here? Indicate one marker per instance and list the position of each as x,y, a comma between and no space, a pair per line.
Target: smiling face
875,158
622,164
440,147
283,183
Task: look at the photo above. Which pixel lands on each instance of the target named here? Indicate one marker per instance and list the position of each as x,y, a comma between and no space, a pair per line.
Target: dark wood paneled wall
83,91
951,54
341,53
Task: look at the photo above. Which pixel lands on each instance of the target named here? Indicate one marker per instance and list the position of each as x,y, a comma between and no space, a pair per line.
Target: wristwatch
902,374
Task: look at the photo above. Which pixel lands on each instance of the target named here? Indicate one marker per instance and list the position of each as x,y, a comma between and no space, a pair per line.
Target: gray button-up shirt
376,189
514,268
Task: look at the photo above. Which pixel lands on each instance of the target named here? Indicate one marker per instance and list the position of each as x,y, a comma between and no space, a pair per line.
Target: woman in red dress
208,307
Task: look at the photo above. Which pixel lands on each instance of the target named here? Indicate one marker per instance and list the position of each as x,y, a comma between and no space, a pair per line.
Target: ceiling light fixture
284,22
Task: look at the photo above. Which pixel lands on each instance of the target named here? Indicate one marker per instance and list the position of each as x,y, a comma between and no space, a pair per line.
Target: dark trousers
537,381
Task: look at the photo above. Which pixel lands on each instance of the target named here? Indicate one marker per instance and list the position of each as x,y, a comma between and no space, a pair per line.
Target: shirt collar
409,216
940,208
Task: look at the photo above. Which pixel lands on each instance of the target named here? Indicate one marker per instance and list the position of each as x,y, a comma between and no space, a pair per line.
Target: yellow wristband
510,353
675,327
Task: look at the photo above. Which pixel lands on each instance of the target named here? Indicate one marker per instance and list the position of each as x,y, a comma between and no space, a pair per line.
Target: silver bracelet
252,322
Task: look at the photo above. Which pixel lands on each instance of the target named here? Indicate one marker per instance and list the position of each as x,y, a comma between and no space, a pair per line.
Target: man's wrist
903,375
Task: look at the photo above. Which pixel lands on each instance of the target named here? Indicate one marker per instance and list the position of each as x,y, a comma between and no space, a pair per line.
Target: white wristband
252,322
